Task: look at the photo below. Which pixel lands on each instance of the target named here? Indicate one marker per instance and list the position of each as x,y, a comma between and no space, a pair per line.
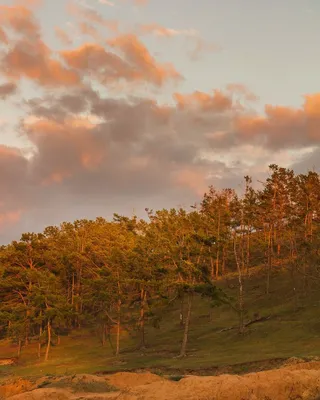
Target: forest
125,274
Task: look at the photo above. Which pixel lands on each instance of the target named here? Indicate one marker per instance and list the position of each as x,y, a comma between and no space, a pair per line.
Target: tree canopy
122,274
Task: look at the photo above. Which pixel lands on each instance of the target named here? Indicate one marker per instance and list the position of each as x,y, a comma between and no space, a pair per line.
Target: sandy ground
292,382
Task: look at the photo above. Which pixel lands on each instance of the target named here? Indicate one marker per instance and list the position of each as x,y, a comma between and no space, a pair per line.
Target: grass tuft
175,378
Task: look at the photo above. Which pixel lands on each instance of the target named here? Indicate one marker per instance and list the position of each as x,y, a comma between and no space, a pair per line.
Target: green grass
293,331
78,386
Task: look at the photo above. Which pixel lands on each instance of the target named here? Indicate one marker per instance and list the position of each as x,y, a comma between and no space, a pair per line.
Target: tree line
123,274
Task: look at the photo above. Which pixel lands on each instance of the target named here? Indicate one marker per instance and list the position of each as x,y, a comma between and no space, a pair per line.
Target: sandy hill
292,382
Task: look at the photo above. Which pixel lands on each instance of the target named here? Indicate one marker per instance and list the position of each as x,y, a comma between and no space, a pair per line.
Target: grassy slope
292,331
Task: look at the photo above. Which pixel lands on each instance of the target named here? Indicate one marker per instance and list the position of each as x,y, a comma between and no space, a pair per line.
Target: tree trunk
72,290
182,311
39,350
27,328
78,292
242,250
212,266
186,327
49,341
218,247
269,261
241,308
39,342
109,338
79,295
103,338
118,328
223,271
217,263
248,250
143,299
19,348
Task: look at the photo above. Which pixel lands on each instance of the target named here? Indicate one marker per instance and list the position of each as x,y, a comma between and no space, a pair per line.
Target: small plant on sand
175,378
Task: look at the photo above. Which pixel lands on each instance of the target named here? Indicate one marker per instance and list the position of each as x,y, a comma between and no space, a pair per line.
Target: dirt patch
13,387
61,394
271,385
60,386
124,380
299,381
44,394
314,365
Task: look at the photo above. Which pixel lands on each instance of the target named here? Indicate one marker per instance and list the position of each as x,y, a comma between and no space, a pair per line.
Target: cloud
133,64
201,46
28,56
162,31
107,2
195,180
59,107
94,59
242,91
9,218
307,162
29,3
139,3
3,122
217,102
34,60
92,15
125,148
138,56
7,89
63,36
13,183
137,146
88,29
282,127
63,149
93,151
3,36
19,19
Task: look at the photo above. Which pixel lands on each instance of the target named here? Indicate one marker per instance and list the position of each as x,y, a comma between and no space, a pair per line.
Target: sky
118,105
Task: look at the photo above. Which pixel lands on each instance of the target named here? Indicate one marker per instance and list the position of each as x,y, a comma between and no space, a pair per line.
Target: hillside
229,286
291,331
